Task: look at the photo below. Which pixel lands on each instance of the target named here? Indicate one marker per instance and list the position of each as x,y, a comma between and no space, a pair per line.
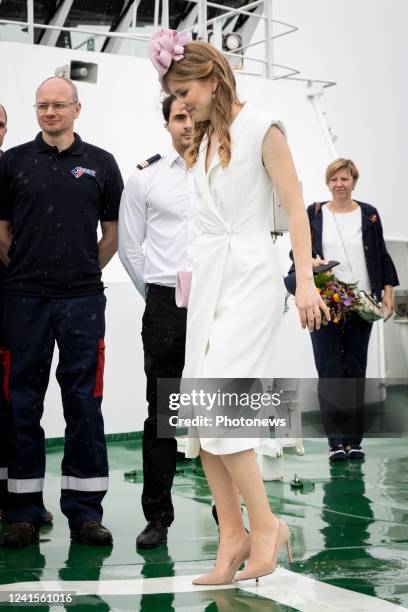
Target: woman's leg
233,536
265,527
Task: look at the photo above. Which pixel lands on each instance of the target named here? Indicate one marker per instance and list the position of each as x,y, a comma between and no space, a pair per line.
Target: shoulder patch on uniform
148,162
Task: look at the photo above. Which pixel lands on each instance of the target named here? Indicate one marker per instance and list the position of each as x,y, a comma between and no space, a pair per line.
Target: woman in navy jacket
350,232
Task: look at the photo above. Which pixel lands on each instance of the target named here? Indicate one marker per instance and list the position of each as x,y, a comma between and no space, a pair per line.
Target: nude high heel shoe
226,577
282,539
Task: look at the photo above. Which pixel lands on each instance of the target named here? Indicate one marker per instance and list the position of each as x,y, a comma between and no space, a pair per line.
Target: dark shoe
20,535
154,534
355,452
337,453
92,533
47,517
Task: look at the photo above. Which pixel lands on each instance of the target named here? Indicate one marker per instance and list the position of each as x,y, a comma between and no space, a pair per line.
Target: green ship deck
349,528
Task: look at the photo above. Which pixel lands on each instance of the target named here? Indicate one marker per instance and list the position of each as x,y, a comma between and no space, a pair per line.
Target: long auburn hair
203,61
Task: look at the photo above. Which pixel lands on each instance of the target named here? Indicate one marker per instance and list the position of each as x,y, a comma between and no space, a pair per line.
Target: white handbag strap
342,243
348,259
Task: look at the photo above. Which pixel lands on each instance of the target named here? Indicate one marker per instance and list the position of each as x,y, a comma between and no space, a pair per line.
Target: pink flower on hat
166,46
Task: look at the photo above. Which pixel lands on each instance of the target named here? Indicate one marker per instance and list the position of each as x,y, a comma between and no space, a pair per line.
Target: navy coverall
53,294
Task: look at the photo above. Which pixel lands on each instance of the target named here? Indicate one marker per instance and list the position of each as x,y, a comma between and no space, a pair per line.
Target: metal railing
260,10
94,33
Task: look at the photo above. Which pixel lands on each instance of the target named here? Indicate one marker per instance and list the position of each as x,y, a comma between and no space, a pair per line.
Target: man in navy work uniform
53,193
159,210
4,412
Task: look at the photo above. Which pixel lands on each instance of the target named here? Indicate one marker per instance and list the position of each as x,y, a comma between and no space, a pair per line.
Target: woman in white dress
237,293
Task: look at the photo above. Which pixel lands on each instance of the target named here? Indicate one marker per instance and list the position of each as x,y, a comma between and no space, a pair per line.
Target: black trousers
340,352
164,336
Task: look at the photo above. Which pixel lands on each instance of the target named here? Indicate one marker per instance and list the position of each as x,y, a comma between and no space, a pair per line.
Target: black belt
160,289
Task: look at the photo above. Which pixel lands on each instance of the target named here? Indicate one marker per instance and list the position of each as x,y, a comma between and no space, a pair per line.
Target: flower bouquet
341,298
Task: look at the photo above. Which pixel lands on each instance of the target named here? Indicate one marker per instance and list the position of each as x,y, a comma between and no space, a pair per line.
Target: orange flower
336,297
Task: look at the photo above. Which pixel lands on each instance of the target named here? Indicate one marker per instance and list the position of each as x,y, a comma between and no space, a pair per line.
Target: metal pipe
324,84
232,14
314,94
156,14
134,13
30,20
107,34
134,21
268,41
165,20
236,10
216,38
225,8
202,20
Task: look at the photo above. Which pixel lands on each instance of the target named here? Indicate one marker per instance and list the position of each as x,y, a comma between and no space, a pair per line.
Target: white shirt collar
172,155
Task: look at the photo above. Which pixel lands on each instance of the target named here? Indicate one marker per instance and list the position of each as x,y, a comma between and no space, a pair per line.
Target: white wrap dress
237,295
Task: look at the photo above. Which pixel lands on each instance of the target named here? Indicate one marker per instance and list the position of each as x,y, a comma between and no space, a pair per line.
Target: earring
213,93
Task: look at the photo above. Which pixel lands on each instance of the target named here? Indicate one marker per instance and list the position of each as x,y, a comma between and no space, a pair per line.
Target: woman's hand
316,261
388,302
310,305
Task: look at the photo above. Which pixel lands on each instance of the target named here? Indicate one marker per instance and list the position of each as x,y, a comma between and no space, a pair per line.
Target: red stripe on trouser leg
98,389
5,359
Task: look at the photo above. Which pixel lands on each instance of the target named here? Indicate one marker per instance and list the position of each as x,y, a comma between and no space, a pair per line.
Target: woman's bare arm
281,169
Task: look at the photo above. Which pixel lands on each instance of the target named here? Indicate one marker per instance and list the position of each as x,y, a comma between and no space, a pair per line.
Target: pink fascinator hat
166,46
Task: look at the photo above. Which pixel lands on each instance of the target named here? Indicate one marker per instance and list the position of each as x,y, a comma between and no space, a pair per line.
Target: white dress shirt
349,225
158,222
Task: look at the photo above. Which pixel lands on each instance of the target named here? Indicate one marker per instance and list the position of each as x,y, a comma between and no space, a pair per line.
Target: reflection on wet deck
349,526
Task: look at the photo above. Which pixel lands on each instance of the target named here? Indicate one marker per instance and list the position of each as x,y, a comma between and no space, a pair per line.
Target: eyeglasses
42,107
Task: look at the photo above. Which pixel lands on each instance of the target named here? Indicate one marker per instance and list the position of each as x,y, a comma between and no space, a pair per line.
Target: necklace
349,208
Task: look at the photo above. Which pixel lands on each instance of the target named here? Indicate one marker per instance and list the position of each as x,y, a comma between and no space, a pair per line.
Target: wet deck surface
349,531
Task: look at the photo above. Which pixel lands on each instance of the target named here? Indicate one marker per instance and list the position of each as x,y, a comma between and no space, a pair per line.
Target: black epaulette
148,162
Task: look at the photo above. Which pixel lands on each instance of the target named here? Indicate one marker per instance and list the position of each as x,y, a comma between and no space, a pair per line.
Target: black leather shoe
20,535
154,534
355,452
92,533
47,517
337,453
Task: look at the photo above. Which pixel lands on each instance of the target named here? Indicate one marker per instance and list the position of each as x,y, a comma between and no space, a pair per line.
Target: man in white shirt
159,212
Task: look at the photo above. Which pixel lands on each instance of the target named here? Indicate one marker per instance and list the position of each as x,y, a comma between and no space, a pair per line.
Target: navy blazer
380,267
